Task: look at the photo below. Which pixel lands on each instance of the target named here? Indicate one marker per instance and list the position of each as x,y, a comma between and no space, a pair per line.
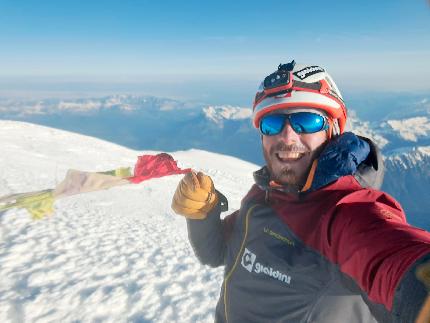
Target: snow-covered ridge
133,115
226,112
75,106
363,128
408,158
411,129
86,105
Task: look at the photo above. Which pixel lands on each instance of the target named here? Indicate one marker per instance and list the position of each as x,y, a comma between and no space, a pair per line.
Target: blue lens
306,122
301,122
272,124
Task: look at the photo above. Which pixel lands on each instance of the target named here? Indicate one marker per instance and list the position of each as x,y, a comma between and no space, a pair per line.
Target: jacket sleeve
373,244
208,236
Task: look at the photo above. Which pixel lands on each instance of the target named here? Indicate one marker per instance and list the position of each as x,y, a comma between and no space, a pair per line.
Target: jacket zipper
242,247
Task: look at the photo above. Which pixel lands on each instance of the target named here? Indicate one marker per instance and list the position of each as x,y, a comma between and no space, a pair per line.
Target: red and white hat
301,86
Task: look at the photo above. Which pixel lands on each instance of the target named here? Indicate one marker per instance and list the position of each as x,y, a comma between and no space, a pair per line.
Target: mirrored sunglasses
301,122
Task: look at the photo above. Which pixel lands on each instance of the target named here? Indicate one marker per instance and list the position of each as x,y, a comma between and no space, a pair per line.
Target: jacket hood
344,155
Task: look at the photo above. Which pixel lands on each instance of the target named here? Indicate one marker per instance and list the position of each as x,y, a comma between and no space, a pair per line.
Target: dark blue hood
341,157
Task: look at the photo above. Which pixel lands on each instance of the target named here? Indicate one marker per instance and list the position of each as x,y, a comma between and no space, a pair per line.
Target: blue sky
213,45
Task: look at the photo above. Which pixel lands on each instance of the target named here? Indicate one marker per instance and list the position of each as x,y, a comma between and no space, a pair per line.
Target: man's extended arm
380,251
198,201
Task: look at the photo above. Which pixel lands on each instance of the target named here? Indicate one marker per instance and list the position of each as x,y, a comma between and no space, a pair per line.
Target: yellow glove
195,196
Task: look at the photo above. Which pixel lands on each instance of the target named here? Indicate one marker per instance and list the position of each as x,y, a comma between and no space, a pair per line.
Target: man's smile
289,156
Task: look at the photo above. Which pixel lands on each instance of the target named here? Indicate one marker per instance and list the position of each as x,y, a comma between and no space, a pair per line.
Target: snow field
119,255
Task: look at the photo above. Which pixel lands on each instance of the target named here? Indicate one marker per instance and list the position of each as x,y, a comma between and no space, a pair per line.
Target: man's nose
289,135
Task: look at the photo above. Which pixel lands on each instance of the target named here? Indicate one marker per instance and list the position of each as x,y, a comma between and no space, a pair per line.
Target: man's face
289,155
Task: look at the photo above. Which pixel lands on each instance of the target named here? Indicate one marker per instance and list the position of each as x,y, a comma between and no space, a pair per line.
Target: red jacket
340,252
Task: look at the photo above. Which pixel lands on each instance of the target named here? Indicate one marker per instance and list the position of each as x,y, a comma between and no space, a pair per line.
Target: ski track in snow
119,255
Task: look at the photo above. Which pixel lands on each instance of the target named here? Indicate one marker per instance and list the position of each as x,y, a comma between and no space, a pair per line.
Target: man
314,240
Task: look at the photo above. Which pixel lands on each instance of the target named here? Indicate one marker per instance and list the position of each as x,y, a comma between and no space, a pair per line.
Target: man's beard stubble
287,175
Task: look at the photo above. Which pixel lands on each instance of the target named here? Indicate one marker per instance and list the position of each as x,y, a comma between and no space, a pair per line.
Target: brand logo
248,260
311,70
278,236
250,264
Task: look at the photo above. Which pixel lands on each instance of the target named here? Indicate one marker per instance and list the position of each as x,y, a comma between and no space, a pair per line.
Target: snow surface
119,255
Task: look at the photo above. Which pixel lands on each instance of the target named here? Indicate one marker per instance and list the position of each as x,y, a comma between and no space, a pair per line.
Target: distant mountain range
400,126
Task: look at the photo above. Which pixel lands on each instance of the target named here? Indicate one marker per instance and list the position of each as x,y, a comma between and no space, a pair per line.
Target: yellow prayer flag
38,204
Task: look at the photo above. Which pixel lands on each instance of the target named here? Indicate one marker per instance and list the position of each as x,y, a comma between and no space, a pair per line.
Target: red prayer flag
153,166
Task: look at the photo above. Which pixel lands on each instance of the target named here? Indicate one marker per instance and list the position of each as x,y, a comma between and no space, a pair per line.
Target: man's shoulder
348,190
367,204
369,196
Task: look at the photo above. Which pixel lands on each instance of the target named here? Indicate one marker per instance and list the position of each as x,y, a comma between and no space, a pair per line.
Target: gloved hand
195,196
